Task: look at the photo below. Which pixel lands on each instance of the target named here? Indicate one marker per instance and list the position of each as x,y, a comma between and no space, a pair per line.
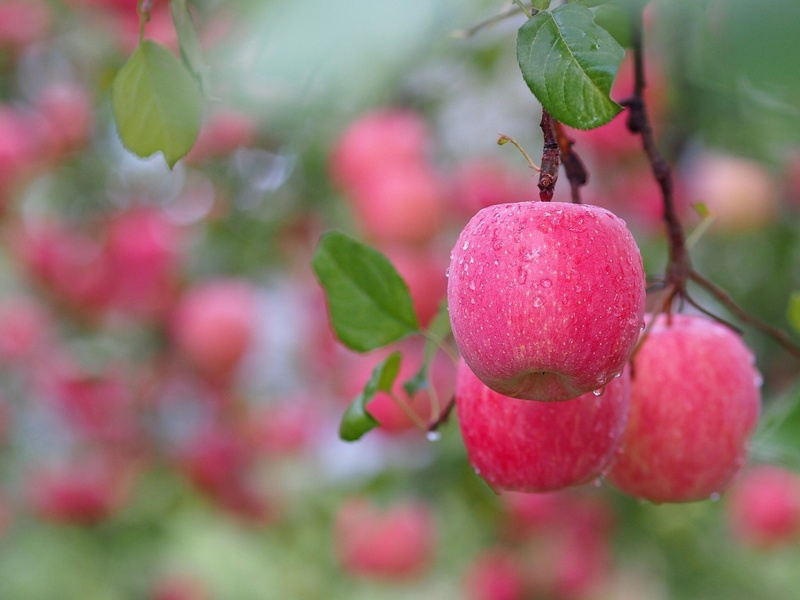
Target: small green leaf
369,303
189,44
356,420
569,63
540,4
156,104
794,311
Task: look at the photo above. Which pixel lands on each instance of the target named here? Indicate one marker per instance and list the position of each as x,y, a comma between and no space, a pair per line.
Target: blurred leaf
540,4
794,311
777,439
437,333
189,44
569,63
156,104
615,17
356,420
370,305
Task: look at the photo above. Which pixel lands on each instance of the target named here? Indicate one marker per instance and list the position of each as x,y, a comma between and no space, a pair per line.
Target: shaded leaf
570,63
188,41
369,303
793,313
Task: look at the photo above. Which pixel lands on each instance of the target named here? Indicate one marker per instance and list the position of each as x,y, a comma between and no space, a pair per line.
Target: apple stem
574,167
551,158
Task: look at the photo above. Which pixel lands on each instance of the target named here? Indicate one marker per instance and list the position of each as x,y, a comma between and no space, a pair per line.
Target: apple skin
763,509
695,402
525,446
546,299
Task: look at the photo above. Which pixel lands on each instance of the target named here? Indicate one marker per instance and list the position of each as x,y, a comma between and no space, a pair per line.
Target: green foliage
369,303
356,420
156,104
794,311
569,63
778,432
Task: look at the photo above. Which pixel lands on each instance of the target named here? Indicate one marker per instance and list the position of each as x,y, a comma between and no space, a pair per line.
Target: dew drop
522,275
597,482
434,436
618,375
465,246
715,497
472,285
546,283
599,391
537,302
447,272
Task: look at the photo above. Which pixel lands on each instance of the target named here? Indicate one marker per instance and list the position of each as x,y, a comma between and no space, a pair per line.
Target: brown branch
444,416
723,298
550,159
576,171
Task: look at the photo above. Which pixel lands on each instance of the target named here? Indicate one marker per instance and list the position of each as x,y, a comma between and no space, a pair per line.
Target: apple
695,402
397,542
740,194
526,446
214,325
546,299
763,508
495,574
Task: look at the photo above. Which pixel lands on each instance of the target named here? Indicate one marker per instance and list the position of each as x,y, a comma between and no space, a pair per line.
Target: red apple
763,507
521,445
695,402
395,543
546,298
214,325
495,574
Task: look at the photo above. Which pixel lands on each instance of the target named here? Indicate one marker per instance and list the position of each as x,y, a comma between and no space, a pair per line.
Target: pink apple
375,140
214,325
695,402
397,542
546,299
763,507
527,446
495,574
740,194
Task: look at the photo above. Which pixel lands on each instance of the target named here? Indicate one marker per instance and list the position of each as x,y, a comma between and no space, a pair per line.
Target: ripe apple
214,325
495,574
694,404
397,542
546,298
527,446
763,507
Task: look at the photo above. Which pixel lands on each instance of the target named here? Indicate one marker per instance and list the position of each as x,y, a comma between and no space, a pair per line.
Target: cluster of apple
547,305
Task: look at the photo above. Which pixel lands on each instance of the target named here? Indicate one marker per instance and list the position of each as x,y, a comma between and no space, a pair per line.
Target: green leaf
189,44
356,420
540,4
156,104
793,313
369,303
569,63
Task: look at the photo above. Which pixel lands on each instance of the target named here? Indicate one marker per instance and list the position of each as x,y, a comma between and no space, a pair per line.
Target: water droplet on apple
599,391
465,246
447,272
522,275
618,375
434,436
715,497
537,302
597,482
546,283
472,285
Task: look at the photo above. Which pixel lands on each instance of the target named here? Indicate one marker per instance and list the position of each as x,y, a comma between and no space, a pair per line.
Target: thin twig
512,10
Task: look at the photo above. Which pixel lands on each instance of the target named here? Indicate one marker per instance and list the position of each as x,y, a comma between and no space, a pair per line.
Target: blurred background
170,390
